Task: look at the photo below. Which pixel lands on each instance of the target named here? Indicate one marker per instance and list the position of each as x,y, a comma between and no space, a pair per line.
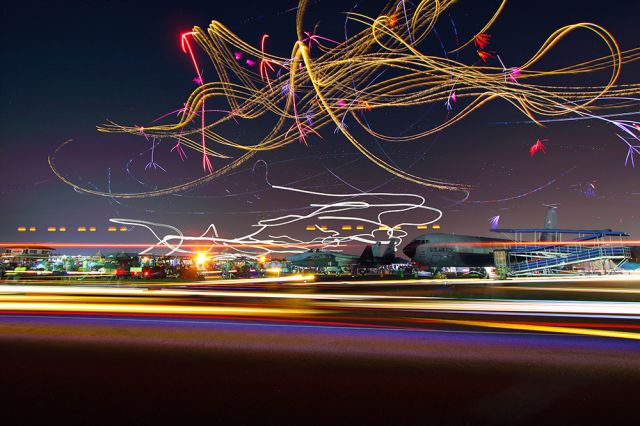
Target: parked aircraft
442,250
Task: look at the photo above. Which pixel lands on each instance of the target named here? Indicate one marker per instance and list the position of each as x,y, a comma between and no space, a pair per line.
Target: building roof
29,247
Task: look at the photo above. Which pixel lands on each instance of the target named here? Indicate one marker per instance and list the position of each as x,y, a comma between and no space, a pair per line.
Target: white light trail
264,241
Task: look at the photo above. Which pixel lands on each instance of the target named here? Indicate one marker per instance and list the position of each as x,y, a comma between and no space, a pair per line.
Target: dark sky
69,66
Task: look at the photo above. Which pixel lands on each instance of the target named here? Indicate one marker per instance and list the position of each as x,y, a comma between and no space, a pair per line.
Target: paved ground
533,353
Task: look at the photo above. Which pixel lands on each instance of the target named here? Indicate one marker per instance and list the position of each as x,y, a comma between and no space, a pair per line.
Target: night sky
70,66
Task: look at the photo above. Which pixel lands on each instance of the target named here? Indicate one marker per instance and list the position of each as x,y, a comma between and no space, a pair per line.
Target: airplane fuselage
443,250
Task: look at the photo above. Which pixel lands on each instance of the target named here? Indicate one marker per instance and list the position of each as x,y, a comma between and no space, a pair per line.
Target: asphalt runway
425,353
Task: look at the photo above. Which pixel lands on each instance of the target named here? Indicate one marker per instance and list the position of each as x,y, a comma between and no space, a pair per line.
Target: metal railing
575,255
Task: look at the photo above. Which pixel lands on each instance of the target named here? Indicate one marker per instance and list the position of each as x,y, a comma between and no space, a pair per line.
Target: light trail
559,307
146,245
342,309
547,329
310,92
423,282
576,290
149,309
310,244
401,303
341,211
144,292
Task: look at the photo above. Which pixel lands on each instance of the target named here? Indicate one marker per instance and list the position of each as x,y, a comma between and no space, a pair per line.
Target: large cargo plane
443,250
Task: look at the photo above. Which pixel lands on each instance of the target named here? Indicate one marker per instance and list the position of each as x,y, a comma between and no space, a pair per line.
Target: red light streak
186,48
536,243
537,147
264,63
482,40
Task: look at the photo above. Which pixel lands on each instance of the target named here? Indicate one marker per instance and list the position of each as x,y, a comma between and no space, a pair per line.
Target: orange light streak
537,243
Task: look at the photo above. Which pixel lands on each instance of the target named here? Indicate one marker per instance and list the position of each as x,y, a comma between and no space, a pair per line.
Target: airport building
25,255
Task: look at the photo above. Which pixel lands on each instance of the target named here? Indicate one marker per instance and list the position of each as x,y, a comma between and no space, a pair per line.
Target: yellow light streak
547,329
537,306
576,289
149,309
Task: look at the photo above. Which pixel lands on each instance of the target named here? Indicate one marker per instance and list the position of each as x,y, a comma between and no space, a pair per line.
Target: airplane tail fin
366,258
374,255
390,251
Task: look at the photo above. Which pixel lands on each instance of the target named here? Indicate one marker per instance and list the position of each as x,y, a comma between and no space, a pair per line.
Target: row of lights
64,229
124,228
361,227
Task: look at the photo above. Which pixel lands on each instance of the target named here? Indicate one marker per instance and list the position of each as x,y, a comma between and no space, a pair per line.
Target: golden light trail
310,92
576,289
509,306
206,302
387,302
547,329
149,309
144,292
